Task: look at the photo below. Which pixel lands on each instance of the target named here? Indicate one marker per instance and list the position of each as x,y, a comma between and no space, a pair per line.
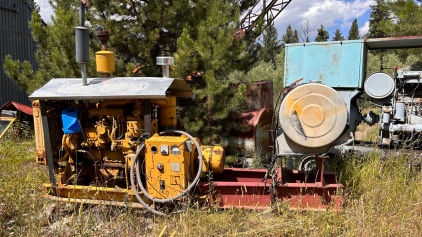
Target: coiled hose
138,176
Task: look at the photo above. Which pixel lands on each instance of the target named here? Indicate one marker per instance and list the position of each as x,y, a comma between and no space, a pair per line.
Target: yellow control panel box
167,165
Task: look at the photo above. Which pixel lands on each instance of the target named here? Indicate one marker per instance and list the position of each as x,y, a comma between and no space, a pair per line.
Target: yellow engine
91,134
94,151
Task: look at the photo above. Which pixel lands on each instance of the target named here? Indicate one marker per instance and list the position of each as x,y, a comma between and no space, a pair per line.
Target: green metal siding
16,40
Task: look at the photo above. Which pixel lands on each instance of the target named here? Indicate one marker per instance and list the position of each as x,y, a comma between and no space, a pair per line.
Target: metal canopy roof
112,88
12,105
394,42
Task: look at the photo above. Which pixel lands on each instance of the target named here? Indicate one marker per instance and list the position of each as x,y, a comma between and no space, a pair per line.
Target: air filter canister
313,115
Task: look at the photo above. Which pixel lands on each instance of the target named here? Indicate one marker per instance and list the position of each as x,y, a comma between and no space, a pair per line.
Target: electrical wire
132,182
89,153
273,160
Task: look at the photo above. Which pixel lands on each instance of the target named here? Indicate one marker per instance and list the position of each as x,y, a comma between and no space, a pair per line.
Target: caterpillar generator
92,139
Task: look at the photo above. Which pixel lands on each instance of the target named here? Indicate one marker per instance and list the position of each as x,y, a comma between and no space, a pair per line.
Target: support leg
47,143
320,169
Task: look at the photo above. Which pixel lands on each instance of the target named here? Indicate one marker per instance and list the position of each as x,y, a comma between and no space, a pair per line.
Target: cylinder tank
255,139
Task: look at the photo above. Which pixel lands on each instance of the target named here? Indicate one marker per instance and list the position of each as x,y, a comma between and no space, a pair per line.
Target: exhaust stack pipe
165,62
82,41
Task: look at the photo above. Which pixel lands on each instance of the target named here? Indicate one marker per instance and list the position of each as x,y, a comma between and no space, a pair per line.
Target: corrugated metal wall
16,40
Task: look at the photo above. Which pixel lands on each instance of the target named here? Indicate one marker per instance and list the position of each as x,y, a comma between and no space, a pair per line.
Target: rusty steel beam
266,12
299,190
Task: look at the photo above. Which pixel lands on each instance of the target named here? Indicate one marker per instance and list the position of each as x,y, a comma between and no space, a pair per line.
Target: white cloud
364,29
46,11
326,12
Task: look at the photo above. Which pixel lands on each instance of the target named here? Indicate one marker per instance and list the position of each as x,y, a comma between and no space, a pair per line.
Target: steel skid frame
238,187
244,188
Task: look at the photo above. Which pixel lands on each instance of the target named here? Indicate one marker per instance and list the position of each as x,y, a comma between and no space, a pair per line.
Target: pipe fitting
165,62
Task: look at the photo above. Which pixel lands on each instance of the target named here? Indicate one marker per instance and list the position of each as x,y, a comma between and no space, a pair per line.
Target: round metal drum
379,85
313,115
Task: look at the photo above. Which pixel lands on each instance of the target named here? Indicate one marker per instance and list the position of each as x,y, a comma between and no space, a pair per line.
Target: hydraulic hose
132,182
192,185
138,176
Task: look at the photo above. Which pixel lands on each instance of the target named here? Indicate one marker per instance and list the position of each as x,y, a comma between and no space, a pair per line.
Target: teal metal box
336,64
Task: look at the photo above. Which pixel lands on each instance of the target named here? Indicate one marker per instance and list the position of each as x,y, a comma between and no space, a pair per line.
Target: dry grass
364,132
382,198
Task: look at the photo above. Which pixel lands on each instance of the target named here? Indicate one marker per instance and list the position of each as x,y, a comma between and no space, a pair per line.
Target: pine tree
322,35
213,51
338,36
270,44
34,4
407,19
199,34
55,52
288,36
295,38
354,31
379,13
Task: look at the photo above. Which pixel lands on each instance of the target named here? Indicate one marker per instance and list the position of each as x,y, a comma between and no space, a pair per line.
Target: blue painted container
336,64
70,121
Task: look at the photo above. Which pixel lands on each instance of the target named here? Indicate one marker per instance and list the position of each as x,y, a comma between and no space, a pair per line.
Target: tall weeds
382,198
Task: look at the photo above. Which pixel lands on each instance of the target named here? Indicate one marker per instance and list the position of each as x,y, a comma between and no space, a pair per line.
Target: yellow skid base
95,202
92,195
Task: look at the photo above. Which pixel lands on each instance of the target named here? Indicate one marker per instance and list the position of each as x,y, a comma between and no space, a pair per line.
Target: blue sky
333,14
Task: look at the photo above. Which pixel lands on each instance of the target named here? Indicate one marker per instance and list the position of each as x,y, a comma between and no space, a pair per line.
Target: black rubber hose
191,186
273,117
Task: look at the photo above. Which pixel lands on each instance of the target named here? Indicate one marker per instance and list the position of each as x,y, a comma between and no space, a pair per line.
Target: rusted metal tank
260,96
256,121
255,139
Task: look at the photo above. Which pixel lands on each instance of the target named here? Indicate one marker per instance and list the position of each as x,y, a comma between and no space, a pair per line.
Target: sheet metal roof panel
12,105
324,43
112,88
377,43
394,42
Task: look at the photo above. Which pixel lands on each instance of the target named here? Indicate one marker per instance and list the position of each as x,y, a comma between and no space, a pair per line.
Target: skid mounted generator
112,140
92,134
